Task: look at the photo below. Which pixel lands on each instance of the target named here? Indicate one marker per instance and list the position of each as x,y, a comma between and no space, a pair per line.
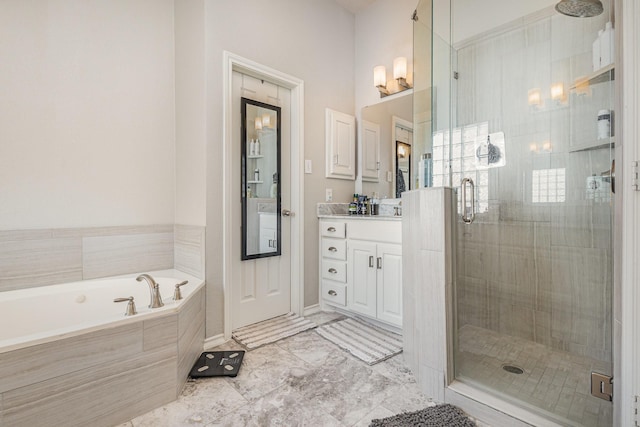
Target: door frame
231,63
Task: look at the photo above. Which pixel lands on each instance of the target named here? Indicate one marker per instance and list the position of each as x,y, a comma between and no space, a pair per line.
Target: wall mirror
394,118
260,138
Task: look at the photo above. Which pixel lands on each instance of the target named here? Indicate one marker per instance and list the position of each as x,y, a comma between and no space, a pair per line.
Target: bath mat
217,364
434,416
272,330
366,342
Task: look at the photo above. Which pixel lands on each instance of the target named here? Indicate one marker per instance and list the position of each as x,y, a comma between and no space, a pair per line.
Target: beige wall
86,113
311,40
190,121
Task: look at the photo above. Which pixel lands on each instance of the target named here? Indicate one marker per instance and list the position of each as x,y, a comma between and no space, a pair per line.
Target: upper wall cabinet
370,151
340,145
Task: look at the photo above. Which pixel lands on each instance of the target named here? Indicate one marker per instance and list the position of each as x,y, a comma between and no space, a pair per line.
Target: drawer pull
332,293
331,229
333,249
379,263
333,271
371,261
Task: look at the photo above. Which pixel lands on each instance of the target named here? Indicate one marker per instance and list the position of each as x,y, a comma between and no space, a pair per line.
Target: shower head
580,8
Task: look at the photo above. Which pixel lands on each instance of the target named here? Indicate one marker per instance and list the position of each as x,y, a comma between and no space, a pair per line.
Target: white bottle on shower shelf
252,148
257,150
605,46
596,52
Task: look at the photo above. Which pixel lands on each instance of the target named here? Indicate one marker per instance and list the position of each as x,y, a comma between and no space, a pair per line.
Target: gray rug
435,416
366,342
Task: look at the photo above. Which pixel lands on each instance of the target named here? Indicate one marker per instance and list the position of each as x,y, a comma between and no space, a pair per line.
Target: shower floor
554,382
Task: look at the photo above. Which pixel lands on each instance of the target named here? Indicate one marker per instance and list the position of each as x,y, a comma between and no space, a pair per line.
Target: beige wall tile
105,256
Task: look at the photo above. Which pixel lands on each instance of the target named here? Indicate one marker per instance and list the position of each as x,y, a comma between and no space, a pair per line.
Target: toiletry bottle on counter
425,166
604,124
257,149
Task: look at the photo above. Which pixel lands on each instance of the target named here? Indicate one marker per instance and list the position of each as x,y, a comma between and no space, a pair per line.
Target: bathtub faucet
154,290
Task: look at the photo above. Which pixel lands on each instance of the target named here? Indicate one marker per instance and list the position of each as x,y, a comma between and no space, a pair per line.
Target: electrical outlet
307,166
389,176
328,196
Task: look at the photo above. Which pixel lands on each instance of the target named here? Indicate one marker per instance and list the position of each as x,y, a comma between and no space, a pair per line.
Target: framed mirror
260,168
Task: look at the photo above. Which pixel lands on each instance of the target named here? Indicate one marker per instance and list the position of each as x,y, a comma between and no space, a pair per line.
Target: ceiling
355,6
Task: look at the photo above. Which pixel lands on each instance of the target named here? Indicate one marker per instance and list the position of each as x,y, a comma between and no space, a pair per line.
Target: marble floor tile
302,380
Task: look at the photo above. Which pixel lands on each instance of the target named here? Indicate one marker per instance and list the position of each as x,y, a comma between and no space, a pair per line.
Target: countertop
361,217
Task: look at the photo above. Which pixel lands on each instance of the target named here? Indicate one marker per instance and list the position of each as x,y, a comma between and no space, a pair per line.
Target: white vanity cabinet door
340,145
361,273
370,151
389,283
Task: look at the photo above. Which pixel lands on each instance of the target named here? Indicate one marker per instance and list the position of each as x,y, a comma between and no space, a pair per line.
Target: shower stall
517,110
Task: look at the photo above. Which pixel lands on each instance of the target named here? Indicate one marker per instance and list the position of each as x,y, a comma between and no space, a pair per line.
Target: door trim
231,63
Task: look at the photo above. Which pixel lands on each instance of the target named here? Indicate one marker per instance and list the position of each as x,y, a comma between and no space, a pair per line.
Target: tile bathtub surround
31,258
301,380
102,377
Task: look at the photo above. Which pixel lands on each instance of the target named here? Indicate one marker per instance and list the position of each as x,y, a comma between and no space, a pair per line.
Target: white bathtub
68,352
38,315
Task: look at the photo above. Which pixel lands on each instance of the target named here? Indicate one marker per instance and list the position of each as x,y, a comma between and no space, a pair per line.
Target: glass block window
462,163
548,186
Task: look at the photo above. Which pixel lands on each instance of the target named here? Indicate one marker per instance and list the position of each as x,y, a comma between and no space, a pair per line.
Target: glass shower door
534,253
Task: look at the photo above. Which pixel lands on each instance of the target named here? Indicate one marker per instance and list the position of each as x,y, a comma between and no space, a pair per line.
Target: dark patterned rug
433,416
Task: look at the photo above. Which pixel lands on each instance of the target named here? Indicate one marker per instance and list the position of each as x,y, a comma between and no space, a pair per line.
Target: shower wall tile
189,249
29,259
112,255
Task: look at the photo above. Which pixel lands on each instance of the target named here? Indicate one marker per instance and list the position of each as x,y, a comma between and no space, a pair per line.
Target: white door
389,280
340,141
260,288
361,273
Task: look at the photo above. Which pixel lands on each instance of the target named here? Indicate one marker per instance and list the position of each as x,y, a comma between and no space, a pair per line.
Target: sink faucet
154,291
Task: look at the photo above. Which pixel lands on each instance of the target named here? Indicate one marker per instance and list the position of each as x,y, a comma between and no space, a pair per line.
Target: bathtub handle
131,306
177,295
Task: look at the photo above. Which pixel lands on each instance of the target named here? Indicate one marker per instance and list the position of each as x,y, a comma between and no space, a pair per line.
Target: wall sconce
535,97
557,93
258,123
266,121
399,75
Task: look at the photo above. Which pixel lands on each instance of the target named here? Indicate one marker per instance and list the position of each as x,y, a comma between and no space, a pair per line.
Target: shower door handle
610,176
468,218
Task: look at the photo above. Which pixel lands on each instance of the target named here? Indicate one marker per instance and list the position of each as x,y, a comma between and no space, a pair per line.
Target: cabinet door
370,151
389,282
340,145
361,278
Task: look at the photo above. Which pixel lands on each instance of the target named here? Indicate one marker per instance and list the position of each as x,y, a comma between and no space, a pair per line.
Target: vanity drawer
334,248
334,270
334,293
333,229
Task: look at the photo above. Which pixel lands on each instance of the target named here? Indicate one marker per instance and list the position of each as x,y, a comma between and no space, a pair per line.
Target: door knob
287,212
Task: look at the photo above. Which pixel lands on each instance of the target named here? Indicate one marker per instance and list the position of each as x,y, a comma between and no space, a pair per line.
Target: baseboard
312,309
214,341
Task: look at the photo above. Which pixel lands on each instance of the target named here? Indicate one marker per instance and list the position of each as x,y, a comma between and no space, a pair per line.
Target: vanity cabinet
374,275
361,267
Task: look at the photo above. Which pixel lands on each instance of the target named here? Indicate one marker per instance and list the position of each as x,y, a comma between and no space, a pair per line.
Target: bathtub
69,355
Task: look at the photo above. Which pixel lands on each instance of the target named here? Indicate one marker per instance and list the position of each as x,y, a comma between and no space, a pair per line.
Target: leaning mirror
261,225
